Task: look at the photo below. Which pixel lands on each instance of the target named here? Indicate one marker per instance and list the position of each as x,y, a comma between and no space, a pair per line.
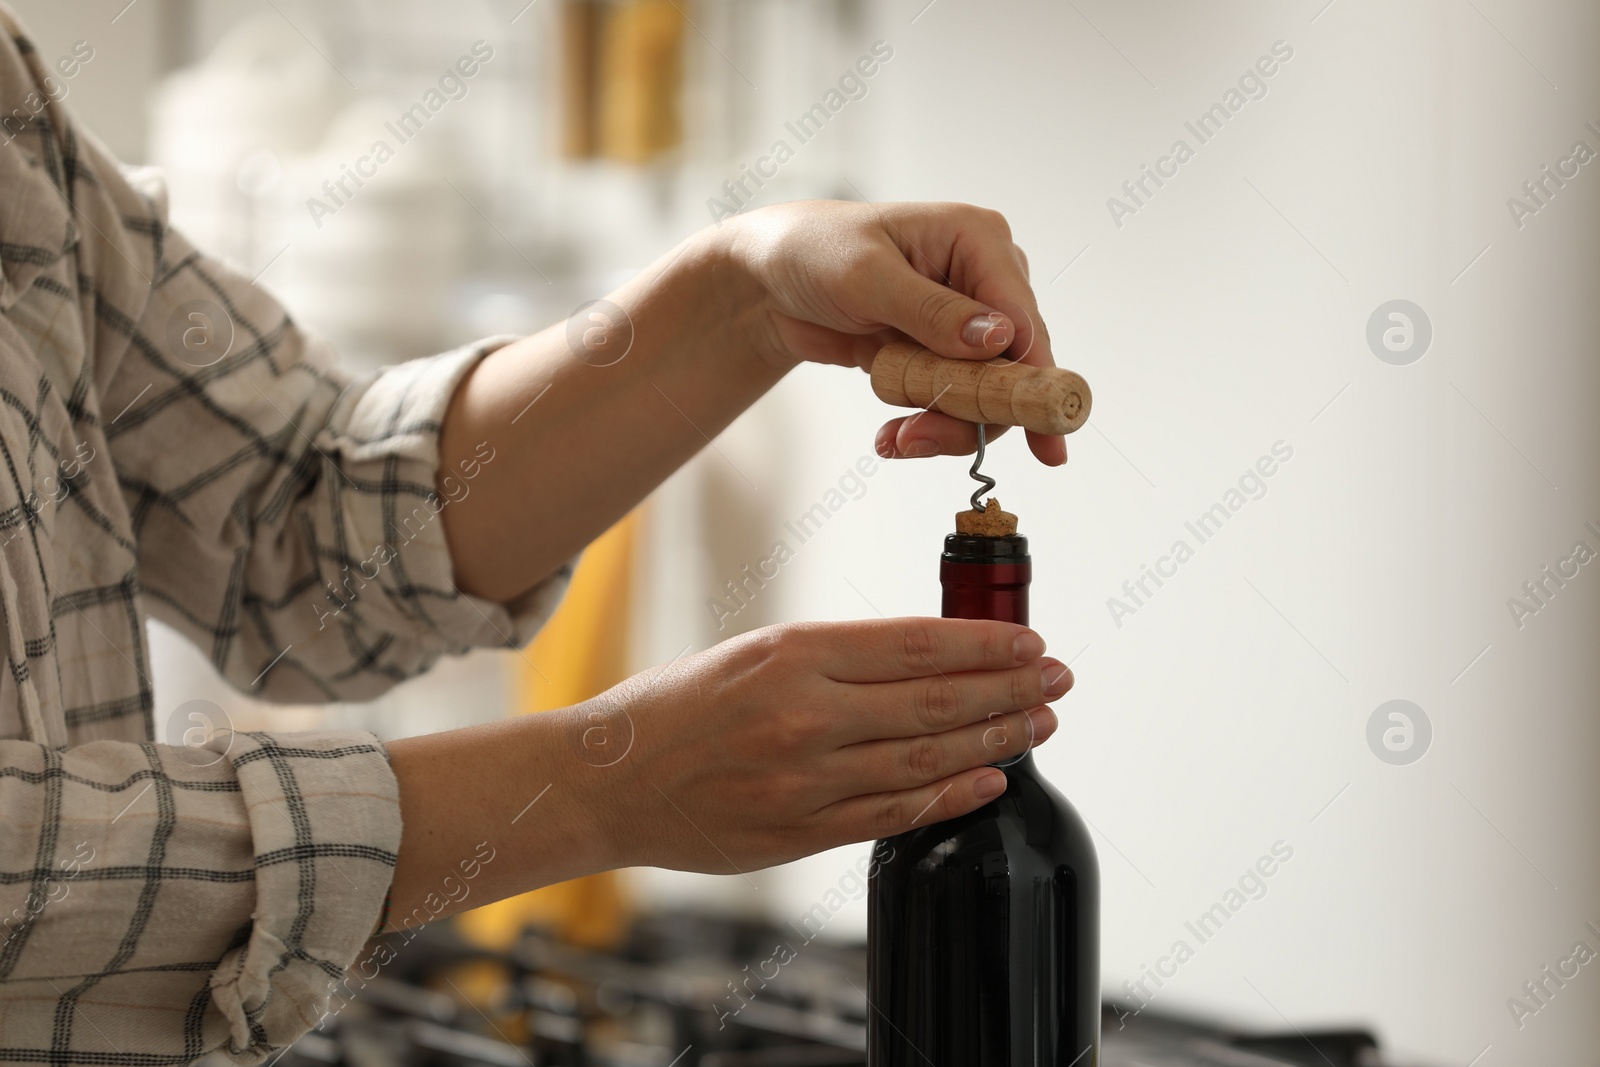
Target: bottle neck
988,578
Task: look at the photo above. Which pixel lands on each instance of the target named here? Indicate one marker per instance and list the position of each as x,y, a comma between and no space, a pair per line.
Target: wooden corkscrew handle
998,391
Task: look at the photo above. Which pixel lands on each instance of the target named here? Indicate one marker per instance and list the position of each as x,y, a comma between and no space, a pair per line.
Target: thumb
942,319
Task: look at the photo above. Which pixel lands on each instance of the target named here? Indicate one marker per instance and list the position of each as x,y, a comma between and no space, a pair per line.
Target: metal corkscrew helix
985,483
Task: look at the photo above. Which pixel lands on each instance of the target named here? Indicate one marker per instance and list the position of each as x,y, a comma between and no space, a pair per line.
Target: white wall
1225,316
130,49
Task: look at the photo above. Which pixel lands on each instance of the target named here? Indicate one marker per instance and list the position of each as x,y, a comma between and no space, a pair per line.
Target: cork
990,522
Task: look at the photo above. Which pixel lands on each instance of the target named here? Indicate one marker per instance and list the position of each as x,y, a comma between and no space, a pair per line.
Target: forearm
497,809
577,444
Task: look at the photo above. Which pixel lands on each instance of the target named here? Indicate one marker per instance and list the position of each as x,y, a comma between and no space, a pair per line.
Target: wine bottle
983,931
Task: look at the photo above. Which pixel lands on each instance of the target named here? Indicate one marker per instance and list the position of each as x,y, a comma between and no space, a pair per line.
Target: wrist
574,810
731,258
509,789
597,833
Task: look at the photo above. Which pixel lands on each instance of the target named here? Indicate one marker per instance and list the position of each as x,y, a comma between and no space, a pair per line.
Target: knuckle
785,790
997,736
994,220
920,646
994,646
894,816
939,706
1025,688
773,646
923,759
936,307
795,728
789,635
755,647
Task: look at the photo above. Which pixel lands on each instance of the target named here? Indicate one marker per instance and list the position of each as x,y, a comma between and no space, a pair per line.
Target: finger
1032,347
978,258
887,650
1048,448
1032,343
927,706
931,433
937,316
906,763
886,814
998,271
1003,281
1000,279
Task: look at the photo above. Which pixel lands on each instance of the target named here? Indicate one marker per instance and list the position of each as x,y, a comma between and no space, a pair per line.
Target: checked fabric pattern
159,903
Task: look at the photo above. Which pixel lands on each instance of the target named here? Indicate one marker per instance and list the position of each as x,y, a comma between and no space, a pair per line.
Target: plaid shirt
174,443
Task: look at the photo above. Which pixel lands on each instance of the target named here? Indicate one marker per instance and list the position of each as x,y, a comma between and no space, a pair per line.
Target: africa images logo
600,333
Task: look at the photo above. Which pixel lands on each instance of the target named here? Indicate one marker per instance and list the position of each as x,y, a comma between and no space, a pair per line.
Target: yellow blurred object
580,29
482,984
621,78
582,651
641,71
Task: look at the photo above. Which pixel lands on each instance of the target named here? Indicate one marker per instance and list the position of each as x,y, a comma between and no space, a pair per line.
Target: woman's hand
770,746
583,435
794,739
842,279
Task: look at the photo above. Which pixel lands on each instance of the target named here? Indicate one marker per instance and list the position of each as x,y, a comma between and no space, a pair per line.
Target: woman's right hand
797,738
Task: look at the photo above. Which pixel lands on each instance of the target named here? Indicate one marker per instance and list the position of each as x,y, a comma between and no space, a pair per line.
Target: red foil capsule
985,578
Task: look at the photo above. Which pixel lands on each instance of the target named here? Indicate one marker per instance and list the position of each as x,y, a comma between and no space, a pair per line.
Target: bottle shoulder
1030,825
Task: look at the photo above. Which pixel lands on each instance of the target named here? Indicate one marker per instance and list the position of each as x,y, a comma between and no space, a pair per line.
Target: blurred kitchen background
1237,305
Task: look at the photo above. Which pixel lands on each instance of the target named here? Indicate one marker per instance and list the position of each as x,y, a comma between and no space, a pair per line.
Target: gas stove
691,990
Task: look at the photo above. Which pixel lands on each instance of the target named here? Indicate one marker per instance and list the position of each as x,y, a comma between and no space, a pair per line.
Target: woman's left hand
842,279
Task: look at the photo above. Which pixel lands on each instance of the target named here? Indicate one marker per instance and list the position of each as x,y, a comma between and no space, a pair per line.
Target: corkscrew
985,483
999,392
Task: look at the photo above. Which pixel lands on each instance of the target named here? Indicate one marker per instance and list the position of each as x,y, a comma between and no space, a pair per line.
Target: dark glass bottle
984,931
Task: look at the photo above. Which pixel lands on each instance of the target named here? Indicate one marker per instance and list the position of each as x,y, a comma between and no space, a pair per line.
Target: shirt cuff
390,438
324,817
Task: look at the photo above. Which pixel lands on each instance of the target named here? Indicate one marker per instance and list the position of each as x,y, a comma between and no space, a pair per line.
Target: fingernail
1055,679
986,331
885,449
920,448
1044,723
990,785
1027,646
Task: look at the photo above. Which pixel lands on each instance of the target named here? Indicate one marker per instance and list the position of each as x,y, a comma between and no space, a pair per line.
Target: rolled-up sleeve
185,900
288,518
